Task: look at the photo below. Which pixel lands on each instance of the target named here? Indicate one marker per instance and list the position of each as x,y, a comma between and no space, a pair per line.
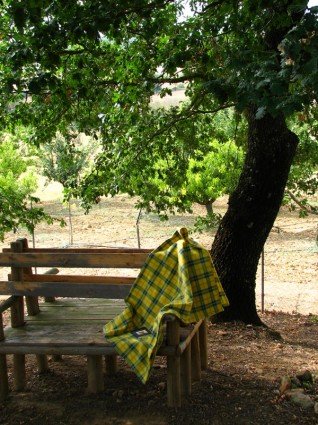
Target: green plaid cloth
177,278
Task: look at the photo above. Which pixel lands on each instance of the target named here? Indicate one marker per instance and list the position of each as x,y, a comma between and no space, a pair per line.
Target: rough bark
252,210
209,207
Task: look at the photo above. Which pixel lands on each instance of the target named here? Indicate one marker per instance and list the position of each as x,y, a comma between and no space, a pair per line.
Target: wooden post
17,320
186,380
203,337
17,309
4,385
195,358
43,365
95,374
19,372
173,365
32,303
111,364
53,270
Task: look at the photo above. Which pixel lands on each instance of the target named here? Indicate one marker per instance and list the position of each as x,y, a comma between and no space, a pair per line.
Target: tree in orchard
97,64
302,183
64,160
17,184
214,174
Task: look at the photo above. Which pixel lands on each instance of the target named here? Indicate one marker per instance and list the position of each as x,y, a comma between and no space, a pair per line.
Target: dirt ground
246,364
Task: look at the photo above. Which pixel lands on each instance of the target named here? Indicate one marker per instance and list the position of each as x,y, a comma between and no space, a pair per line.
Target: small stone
316,407
162,385
302,400
289,393
285,384
305,376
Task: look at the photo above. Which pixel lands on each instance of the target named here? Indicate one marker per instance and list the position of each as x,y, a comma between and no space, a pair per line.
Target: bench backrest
22,281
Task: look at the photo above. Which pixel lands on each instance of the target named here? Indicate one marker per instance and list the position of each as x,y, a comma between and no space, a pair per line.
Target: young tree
17,184
98,64
64,161
303,179
214,174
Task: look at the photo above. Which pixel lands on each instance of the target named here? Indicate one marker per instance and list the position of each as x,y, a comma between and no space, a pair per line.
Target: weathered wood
43,365
4,305
75,326
111,365
32,303
186,380
79,260
4,384
19,372
86,250
17,308
52,271
95,380
64,289
203,338
195,358
173,366
187,337
17,312
1,328
115,280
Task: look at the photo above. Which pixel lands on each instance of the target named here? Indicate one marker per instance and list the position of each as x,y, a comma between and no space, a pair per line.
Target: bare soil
246,363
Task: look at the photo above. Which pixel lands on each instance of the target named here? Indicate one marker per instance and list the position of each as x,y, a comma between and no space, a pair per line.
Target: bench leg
173,381
111,364
42,362
4,385
195,358
95,374
19,372
186,380
203,336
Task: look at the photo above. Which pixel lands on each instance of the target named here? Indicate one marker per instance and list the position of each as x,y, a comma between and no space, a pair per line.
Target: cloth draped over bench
177,278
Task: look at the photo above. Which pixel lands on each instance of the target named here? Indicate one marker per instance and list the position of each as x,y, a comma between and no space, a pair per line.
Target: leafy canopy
96,64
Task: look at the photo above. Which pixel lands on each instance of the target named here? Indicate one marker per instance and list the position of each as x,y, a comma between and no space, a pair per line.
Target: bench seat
66,314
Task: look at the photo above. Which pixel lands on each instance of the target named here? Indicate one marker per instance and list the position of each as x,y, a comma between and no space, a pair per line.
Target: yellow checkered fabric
177,278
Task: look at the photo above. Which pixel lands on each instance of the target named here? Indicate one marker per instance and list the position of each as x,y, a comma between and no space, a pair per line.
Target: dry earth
246,363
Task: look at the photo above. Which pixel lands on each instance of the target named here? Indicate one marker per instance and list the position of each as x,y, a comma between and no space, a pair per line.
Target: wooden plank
81,260
82,303
55,335
64,289
85,250
115,280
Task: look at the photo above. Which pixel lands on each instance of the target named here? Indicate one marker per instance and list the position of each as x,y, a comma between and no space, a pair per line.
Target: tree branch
310,209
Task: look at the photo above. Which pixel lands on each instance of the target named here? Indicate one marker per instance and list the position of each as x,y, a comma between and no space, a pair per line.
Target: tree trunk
209,207
252,210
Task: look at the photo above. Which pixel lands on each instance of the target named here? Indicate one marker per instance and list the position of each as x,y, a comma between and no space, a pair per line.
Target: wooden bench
73,324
